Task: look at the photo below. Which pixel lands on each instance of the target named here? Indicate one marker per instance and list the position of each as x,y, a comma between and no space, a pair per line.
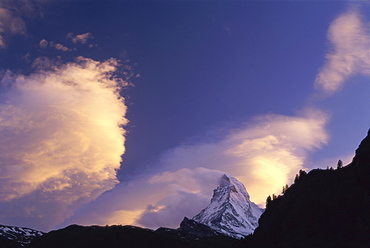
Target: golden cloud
61,135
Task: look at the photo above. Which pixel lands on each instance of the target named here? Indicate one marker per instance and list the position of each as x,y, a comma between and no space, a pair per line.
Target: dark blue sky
209,76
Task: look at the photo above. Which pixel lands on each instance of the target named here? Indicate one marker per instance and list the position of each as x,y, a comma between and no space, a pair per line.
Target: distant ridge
21,235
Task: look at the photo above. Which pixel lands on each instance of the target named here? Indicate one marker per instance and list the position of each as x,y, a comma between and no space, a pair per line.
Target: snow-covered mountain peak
230,212
234,185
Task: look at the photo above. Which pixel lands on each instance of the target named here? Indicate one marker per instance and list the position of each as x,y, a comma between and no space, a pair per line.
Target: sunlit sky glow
129,112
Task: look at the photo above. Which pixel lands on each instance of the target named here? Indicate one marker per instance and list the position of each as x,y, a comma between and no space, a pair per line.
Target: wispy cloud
11,17
350,55
10,24
62,48
61,140
188,191
80,38
156,199
264,155
44,44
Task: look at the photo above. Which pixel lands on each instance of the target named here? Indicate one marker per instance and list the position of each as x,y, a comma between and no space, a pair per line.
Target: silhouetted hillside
75,236
324,208
7,243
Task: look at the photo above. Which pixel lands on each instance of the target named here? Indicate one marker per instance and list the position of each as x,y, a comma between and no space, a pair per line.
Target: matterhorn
230,212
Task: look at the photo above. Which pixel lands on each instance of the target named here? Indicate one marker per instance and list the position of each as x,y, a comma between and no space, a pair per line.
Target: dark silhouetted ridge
75,236
323,208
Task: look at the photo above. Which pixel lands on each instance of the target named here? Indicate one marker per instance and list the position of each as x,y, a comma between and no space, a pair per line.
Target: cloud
80,38
153,200
2,42
11,17
61,140
190,191
10,24
62,48
264,155
44,63
170,211
43,43
350,54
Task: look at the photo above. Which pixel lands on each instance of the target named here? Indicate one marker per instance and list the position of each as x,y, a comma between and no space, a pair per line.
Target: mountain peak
230,212
225,180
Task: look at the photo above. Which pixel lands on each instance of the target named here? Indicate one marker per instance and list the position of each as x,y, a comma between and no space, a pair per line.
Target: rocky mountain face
323,208
190,228
230,212
20,235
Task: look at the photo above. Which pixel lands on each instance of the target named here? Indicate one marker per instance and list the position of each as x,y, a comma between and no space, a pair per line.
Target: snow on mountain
22,235
230,212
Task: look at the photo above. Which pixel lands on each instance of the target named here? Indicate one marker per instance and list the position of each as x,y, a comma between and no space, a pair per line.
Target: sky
129,112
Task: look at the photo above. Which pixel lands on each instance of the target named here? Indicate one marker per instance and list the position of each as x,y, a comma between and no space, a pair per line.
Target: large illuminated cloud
61,140
350,54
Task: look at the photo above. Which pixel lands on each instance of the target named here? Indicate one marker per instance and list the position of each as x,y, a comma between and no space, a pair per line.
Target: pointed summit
230,212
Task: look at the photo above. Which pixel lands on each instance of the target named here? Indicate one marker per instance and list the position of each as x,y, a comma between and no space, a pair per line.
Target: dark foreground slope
324,208
75,236
7,243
